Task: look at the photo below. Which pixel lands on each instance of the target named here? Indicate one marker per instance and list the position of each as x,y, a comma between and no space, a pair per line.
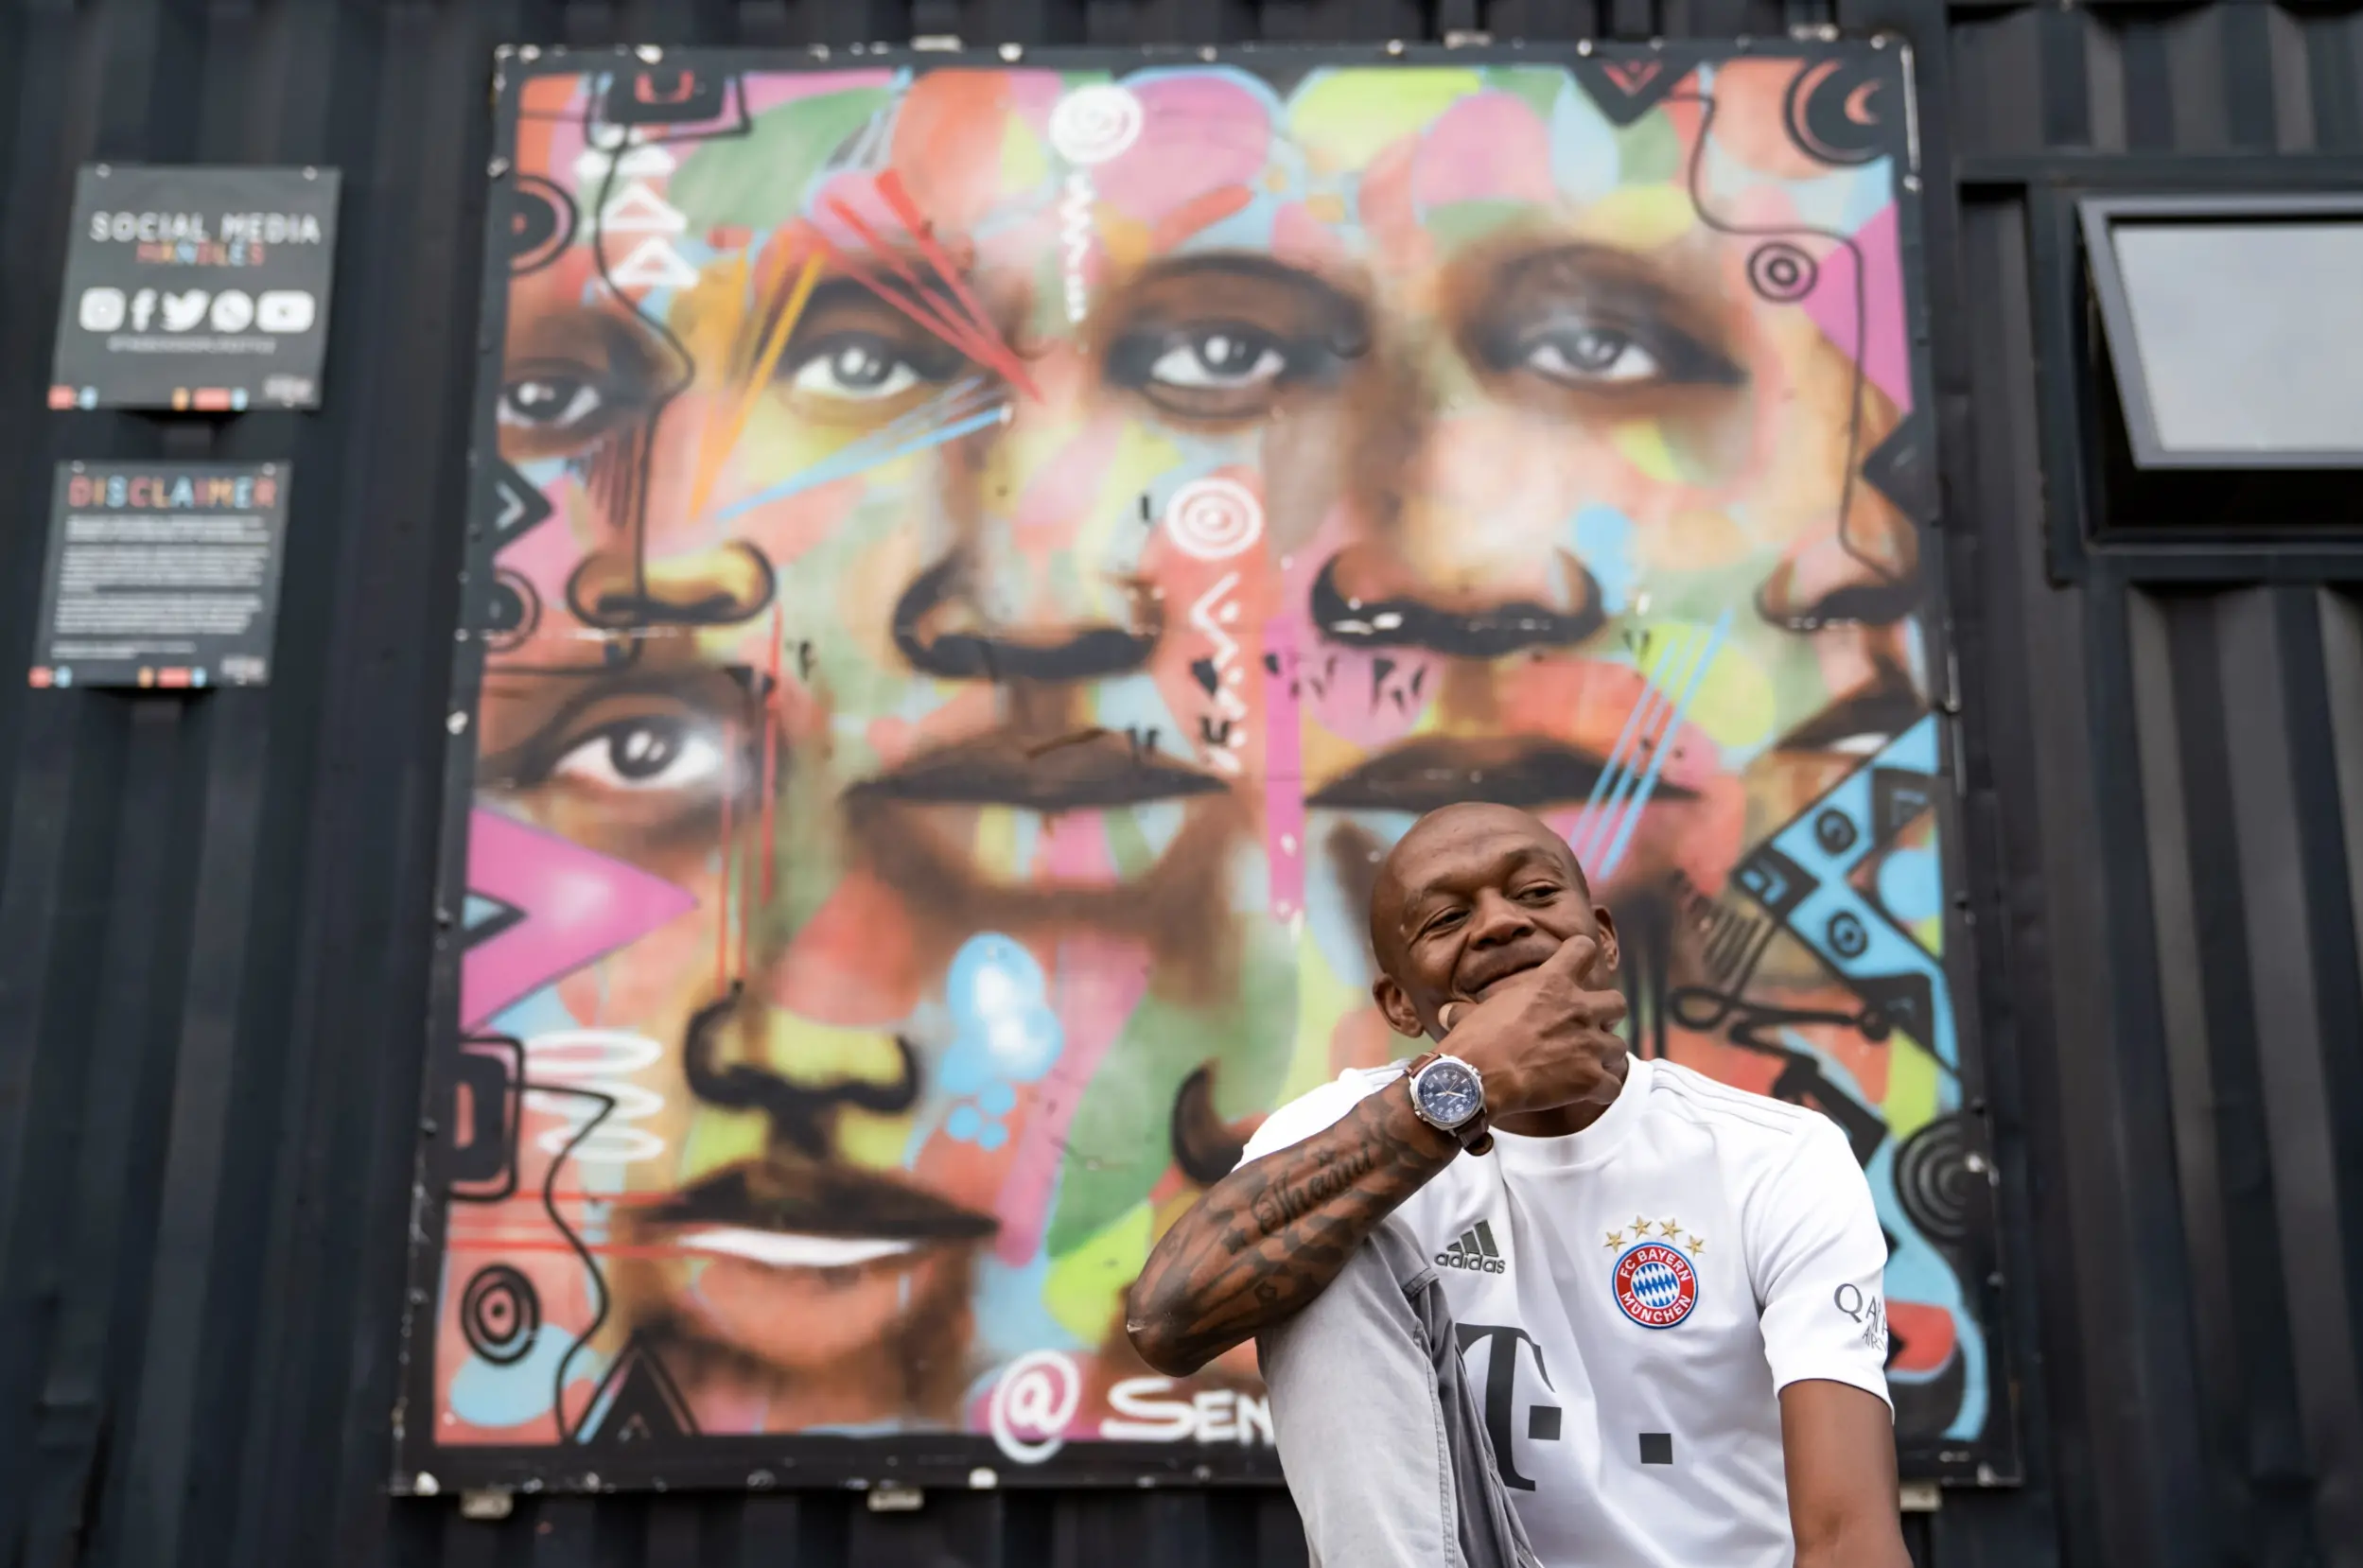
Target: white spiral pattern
1213,519
1094,124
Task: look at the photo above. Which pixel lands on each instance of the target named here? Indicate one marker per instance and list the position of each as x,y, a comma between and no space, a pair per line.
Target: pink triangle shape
577,906
1885,358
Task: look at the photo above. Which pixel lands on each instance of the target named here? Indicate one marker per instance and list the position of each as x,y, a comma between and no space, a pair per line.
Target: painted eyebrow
1619,276
1612,280
1344,311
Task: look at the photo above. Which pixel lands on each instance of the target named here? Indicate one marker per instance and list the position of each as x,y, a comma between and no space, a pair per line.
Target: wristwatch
1449,1095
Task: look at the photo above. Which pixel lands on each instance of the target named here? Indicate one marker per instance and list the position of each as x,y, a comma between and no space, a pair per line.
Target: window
2235,329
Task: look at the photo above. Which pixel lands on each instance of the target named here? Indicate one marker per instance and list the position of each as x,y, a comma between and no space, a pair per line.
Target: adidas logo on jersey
1475,1250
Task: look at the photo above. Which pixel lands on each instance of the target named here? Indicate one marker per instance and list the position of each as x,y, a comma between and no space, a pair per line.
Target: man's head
1473,895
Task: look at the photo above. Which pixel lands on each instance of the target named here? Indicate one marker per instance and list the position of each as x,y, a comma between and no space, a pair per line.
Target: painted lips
1525,771
1092,769
813,1216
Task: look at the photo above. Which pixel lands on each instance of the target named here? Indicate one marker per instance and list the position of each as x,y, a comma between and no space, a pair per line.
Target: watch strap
1473,1134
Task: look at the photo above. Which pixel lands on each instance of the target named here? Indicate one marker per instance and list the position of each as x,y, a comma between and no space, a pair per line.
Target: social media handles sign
277,312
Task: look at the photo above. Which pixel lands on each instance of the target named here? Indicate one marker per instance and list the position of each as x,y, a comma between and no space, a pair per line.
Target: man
1676,1286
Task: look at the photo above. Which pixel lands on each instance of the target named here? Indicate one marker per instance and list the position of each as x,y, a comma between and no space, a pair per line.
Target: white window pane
2250,336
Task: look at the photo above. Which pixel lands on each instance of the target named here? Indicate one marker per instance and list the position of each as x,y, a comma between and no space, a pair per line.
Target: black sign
195,288
161,574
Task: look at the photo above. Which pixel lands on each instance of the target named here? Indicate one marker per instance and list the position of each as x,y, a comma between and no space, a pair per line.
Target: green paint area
718,1139
1024,163
1085,1289
1127,846
1649,151
1321,1000
759,180
810,853
1461,223
1540,86
1914,1083
1346,119
1120,1143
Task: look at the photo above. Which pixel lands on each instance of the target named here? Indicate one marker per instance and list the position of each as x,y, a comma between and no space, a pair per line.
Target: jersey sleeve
1313,1112
1819,1264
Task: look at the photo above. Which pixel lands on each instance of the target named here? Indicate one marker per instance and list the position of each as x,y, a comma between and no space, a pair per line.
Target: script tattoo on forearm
1272,1235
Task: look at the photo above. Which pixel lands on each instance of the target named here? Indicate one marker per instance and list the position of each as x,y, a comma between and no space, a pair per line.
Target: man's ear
1610,951
1395,1005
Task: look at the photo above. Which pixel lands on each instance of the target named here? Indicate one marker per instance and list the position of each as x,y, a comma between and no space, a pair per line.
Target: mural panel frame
476,1082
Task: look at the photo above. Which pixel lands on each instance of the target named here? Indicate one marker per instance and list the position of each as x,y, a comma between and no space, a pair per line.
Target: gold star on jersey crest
1667,1230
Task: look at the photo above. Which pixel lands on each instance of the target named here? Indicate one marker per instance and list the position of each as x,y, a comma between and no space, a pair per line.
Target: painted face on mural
1019,549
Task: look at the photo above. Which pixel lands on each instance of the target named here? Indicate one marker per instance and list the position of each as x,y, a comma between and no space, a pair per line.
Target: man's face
1474,897
1020,549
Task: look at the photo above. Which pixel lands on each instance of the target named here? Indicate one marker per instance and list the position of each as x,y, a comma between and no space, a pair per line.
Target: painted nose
1037,587
723,1071
1358,602
715,588
935,628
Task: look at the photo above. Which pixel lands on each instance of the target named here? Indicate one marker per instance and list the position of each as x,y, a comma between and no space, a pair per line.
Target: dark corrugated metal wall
2171,785
215,910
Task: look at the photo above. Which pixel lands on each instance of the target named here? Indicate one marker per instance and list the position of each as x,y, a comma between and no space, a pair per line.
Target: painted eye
1581,354
548,402
1222,358
649,752
859,368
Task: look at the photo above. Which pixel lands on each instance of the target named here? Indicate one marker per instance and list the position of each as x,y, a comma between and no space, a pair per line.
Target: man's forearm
1270,1236
1876,1542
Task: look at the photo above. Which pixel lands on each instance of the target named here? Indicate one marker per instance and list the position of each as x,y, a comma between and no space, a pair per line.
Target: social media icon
184,311
102,309
143,309
285,311
234,310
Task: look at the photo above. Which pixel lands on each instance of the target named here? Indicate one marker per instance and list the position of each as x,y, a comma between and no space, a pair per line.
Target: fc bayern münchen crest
1656,1285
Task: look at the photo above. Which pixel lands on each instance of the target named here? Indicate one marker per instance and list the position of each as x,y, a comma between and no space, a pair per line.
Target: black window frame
2097,216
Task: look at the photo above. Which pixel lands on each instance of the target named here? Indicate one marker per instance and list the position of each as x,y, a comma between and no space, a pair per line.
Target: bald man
1525,1299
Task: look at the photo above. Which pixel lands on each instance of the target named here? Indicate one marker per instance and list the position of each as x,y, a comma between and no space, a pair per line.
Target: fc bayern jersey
1632,1299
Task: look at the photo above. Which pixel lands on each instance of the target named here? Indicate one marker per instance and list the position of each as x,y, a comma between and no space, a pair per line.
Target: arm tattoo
1270,1236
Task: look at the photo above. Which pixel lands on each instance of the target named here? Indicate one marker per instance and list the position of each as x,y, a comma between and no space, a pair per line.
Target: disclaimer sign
195,288
161,574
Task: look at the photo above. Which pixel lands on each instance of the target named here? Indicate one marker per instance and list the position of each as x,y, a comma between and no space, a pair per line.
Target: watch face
1450,1093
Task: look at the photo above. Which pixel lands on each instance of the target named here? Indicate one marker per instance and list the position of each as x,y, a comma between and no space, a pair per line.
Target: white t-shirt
1632,1299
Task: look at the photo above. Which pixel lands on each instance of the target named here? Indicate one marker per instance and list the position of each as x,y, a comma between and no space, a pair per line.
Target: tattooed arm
1270,1236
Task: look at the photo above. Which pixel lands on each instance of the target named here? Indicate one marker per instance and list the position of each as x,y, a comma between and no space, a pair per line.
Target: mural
975,562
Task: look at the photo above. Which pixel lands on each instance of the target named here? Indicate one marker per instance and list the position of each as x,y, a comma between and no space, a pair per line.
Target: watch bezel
1419,1103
